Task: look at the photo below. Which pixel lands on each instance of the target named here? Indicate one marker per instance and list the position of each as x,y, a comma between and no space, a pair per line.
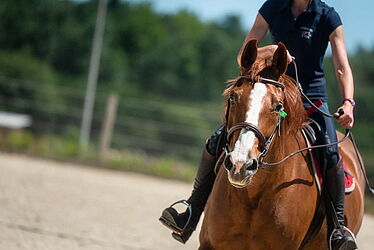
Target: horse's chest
260,224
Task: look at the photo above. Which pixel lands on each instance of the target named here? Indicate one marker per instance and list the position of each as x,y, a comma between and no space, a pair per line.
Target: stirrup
343,228
175,228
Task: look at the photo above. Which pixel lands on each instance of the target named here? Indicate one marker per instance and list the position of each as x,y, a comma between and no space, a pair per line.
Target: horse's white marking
244,144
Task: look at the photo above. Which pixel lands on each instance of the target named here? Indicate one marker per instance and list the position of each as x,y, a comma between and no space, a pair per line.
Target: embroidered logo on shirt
306,32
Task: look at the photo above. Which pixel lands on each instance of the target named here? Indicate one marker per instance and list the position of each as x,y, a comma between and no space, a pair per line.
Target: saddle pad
349,180
348,177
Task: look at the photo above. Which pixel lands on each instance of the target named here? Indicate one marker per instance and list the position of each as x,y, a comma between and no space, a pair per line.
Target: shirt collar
315,6
286,5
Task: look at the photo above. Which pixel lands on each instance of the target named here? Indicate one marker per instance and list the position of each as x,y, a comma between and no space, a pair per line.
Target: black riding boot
185,223
335,186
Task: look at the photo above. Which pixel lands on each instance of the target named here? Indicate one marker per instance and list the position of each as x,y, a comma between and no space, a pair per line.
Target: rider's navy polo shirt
306,38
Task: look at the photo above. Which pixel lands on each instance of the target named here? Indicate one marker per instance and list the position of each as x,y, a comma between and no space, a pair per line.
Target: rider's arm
343,74
258,32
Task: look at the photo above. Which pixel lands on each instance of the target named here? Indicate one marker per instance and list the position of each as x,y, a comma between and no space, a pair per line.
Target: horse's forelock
257,66
293,105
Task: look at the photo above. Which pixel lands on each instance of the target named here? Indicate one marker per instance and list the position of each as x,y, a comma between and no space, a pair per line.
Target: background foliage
173,59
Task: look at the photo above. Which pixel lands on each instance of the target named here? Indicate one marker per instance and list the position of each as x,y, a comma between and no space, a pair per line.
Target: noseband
264,143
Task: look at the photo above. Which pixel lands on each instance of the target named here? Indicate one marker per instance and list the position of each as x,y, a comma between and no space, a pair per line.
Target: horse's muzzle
243,177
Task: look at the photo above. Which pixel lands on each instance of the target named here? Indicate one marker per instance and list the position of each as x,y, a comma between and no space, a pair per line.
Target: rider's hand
346,120
289,57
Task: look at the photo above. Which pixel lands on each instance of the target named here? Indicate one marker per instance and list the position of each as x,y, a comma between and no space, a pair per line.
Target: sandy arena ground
51,205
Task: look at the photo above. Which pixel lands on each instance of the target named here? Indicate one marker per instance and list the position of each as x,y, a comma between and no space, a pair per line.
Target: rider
305,27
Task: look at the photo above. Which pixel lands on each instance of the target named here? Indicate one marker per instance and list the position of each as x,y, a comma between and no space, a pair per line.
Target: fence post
108,125
93,74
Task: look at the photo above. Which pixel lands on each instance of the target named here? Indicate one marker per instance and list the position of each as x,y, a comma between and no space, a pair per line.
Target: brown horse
271,207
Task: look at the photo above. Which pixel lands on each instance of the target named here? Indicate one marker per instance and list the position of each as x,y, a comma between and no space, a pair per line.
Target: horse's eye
232,98
279,107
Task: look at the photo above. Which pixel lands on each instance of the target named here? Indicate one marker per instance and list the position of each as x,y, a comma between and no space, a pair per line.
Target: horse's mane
293,104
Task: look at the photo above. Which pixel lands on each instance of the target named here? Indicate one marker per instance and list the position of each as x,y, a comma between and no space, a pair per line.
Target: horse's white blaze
246,139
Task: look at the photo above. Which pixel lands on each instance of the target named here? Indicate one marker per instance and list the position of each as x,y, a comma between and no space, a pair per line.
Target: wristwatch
351,100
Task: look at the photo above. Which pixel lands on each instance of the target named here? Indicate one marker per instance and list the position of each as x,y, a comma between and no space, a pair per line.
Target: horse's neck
284,145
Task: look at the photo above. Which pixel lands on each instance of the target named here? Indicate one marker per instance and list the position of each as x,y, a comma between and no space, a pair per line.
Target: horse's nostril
252,165
227,163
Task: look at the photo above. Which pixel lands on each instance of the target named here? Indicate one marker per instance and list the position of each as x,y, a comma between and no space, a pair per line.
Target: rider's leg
334,183
335,186
180,224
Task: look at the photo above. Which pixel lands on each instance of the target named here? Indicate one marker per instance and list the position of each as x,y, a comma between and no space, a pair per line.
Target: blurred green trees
175,58
168,55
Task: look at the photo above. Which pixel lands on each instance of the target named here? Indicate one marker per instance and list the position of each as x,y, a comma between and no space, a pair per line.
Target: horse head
258,100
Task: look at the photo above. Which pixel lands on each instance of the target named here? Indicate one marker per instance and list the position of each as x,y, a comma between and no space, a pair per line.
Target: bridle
263,142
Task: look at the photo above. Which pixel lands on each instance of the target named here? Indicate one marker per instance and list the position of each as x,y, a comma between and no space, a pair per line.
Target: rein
264,144
341,112
347,134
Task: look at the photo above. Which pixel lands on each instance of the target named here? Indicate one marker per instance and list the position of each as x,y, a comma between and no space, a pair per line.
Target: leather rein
265,143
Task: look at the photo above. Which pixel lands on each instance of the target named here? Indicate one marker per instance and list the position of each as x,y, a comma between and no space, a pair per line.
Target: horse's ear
280,59
249,55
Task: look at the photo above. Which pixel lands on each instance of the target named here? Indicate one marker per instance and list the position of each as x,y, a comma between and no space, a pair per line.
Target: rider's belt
311,110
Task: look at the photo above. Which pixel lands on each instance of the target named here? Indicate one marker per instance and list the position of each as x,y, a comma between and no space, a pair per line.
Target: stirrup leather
173,226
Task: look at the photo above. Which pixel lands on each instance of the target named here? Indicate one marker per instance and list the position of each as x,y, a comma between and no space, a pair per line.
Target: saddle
311,130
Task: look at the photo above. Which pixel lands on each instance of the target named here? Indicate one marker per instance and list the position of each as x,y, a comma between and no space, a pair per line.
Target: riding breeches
214,144
327,136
